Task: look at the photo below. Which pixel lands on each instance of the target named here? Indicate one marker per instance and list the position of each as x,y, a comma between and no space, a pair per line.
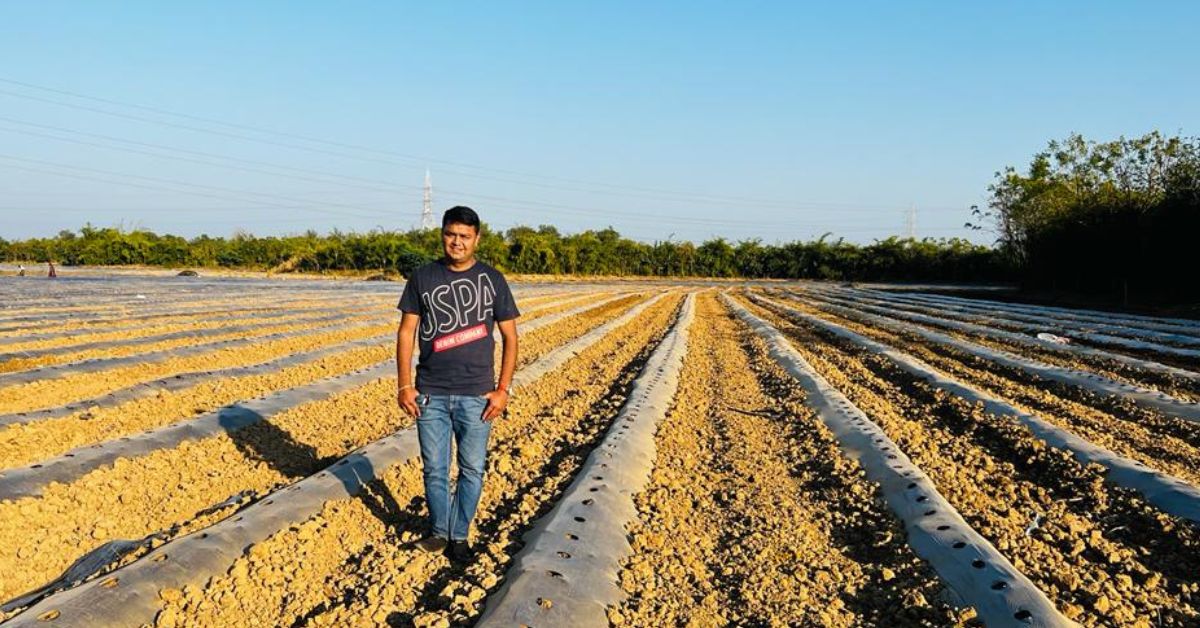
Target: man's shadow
259,439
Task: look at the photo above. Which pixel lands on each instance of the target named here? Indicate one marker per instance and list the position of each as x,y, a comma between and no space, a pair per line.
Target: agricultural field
229,452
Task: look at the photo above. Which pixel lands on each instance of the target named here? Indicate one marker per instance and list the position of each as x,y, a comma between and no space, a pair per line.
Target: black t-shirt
458,312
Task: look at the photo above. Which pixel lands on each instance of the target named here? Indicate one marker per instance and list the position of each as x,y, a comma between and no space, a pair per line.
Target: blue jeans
460,416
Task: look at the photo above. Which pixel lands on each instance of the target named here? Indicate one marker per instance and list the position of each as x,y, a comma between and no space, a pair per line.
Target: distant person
53,273
450,308
20,270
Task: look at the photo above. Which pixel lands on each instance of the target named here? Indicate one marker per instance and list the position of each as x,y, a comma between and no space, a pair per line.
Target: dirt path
165,489
21,445
1110,368
273,327
49,393
354,564
753,513
1099,552
1169,444
753,516
58,340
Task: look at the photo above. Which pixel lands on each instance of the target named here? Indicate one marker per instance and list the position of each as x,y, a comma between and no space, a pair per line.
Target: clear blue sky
687,120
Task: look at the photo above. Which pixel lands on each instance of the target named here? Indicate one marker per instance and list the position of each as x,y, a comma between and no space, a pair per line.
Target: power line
309,177
365,183
626,190
309,174
814,227
515,203
223,194
305,138
167,181
127,208
374,184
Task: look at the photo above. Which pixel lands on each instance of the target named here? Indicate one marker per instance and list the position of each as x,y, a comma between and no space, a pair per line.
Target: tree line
540,250
1114,218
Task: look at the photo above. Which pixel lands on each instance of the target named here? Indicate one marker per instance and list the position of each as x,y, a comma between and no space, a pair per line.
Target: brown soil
135,497
1112,369
1099,552
359,566
22,364
753,513
48,393
1169,444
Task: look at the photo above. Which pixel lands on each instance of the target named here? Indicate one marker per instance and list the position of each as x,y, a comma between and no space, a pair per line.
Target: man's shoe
431,544
459,551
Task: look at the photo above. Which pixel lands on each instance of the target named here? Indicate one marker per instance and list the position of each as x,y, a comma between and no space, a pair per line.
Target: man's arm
498,399
406,336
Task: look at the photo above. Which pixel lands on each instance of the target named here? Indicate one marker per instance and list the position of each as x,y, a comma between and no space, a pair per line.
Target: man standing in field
449,309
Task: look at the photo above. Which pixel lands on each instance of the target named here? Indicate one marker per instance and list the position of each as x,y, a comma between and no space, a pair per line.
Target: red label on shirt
459,338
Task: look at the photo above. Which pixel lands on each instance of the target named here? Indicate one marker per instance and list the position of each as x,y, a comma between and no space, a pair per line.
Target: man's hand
497,402
407,398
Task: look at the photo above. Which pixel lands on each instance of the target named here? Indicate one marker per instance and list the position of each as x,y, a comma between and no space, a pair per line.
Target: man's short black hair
462,215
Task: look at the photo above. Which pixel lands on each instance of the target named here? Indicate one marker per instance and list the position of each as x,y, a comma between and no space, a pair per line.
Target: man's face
459,241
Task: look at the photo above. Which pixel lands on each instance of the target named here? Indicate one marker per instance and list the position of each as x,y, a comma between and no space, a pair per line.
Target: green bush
541,250
1111,218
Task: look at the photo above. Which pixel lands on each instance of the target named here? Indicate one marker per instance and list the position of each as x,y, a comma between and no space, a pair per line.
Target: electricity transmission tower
427,204
910,222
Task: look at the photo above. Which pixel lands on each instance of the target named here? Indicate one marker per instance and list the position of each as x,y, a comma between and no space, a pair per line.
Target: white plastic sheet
968,563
